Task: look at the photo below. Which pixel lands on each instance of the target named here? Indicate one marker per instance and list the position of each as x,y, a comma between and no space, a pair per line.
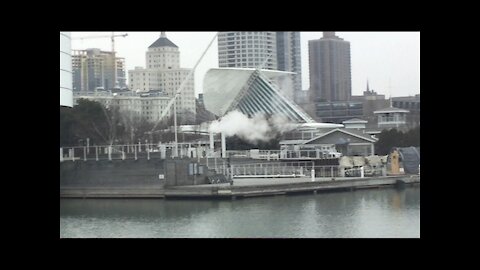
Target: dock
274,186
247,187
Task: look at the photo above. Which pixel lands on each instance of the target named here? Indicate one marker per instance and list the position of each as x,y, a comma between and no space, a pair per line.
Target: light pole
175,126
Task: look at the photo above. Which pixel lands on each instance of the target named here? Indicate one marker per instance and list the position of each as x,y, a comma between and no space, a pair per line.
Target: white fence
130,151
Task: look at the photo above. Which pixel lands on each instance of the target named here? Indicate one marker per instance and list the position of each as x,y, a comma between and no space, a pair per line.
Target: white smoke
257,128
284,85
281,124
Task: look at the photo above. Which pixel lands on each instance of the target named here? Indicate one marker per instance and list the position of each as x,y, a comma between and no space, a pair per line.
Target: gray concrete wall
293,187
115,174
178,173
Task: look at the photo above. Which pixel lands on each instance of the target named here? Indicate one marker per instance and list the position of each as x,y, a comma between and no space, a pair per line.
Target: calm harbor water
375,213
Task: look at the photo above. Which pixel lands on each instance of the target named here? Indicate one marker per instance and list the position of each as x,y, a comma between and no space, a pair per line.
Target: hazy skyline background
389,60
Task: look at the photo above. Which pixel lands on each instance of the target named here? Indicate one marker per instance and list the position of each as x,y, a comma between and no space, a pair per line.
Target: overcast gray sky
390,60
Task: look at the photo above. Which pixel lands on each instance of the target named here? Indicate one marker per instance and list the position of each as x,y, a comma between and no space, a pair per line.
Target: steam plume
257,128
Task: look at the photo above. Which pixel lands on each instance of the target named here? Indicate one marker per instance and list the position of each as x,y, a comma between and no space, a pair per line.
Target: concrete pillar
224,146
163,151
96,153
313,174
189,151
109,153
197,152
61,154
342,172
362,172
212,146
135,150
84,153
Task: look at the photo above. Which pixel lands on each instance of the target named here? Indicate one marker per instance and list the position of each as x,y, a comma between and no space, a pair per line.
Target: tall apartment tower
289,56
247,49
251,49
330,70
164,74
66,97
94,68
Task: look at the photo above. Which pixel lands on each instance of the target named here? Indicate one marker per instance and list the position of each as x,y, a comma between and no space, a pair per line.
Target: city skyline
390,61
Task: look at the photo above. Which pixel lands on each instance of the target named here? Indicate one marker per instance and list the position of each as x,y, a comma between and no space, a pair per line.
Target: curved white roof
222,85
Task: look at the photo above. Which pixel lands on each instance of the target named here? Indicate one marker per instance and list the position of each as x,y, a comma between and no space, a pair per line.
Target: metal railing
304,154
238,153
293,169
275,170
268,170
129,151
269,154
281,154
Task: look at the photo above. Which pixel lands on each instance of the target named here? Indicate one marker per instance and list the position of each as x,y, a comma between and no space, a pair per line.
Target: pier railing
281,154
293,169
148,150
286,168
129,151
277,170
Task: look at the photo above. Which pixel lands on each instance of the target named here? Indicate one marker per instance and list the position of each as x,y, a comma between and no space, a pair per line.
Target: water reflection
134,208
365,213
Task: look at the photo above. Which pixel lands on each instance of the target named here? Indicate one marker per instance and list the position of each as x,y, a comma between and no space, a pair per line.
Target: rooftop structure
391,117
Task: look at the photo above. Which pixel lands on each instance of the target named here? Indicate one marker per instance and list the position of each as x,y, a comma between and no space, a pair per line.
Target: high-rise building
163,73
66,98
266,50
163,54
247,49
330,69
289,56
93,69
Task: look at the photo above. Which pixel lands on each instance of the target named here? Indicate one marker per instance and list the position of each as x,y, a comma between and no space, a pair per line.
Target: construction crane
112,36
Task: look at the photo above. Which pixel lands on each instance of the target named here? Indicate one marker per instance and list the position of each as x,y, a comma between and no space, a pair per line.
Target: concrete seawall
240,189
288,186
117,178
144,178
